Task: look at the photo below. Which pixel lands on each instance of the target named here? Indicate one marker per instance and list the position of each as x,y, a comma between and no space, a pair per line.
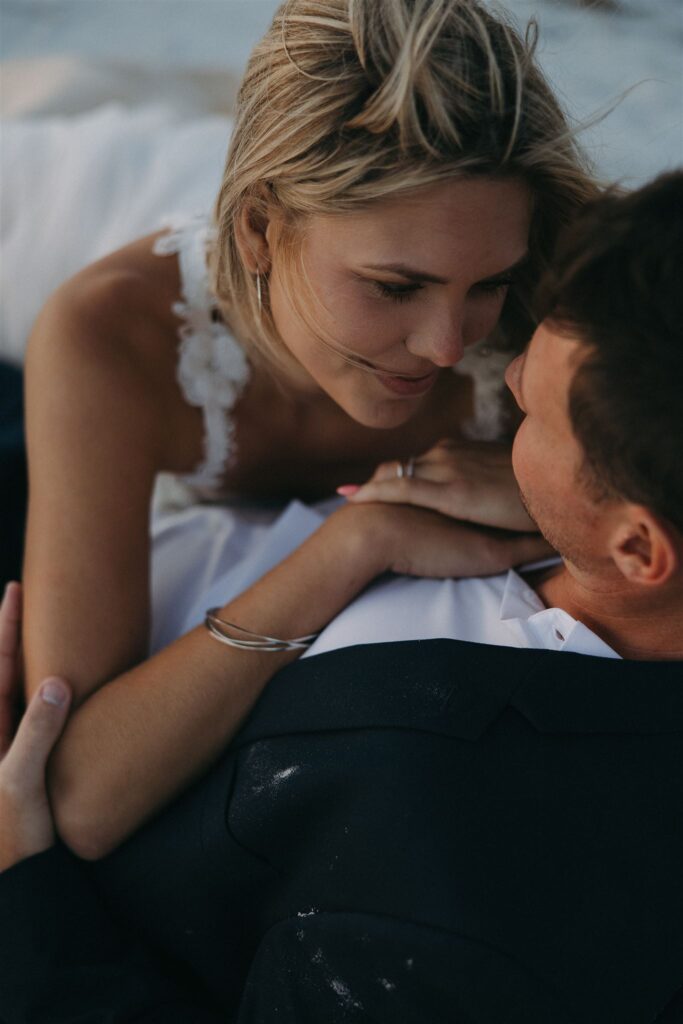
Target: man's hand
26,825
467,480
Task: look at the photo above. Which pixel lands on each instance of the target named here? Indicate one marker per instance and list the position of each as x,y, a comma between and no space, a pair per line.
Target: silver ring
406,468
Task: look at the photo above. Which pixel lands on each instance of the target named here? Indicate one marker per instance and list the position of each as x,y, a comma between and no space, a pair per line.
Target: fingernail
348,489
54,692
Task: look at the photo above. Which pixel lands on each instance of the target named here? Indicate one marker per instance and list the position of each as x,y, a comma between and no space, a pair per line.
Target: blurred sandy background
592,50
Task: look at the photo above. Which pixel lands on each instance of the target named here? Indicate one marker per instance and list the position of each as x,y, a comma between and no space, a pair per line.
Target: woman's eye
396,292
493,287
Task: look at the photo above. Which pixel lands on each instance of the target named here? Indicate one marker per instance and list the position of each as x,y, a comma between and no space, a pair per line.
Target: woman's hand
26,825
418,542
466,480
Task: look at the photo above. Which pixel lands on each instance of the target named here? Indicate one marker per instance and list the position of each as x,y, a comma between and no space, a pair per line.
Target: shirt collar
553,627
519,601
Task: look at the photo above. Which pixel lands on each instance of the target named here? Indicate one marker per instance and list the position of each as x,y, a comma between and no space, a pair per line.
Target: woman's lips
408,386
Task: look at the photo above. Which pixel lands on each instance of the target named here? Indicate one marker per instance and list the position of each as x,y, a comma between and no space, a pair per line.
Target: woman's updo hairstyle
348,102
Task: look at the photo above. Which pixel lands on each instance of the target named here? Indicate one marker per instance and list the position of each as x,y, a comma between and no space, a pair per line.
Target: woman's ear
251,236
644,547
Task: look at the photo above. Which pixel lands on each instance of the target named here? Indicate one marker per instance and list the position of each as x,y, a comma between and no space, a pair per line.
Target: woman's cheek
368,328
482,319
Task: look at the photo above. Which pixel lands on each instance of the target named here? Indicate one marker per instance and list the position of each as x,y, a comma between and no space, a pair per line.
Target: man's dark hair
617,285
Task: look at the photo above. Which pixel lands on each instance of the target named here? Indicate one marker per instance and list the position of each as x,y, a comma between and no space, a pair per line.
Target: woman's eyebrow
509,270
405,271
412,274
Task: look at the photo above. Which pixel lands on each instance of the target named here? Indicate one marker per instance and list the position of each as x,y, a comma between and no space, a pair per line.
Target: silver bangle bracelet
222,631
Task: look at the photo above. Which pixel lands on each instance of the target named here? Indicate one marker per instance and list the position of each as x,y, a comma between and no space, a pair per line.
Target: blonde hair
348,102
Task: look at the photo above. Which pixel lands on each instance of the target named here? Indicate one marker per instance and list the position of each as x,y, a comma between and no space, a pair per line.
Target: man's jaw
527,509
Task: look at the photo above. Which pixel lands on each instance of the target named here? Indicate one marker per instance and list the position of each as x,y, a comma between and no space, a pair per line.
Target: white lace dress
212,370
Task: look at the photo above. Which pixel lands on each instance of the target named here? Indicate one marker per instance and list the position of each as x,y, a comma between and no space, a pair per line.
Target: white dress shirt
205,556
502,610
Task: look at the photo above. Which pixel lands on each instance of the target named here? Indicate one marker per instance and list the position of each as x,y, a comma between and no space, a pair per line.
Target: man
13,474
443,830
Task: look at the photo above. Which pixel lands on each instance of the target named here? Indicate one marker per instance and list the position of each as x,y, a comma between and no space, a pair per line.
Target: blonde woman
396,179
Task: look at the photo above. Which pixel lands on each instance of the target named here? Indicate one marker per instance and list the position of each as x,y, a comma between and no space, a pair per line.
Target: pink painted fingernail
53,691
348,489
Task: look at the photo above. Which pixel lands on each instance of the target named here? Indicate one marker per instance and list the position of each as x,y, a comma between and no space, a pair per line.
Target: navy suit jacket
407,832
13,473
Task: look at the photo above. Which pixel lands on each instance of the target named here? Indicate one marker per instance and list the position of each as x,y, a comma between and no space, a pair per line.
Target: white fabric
500,610
212,367
76,188
206,556
486,366
62,86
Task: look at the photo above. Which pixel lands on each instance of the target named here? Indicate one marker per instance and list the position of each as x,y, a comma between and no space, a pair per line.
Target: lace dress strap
212,367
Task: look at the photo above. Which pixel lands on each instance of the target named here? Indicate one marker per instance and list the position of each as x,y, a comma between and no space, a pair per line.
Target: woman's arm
95,442
140,739
146,734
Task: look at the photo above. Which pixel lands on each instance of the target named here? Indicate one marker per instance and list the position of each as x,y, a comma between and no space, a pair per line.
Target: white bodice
212,366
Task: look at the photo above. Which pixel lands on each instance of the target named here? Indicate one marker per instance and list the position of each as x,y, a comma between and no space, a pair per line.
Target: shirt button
559,635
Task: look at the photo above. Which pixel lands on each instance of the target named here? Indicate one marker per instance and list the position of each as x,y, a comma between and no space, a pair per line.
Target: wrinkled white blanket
92,158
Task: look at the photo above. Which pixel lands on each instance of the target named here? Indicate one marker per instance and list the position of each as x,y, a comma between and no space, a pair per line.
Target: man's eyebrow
412,274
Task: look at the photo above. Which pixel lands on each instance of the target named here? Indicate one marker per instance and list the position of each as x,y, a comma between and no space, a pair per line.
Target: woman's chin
383,415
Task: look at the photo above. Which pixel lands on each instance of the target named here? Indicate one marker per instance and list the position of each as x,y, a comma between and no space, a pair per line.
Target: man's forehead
555,346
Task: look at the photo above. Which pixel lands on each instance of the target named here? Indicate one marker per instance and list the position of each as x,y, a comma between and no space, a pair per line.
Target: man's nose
512,375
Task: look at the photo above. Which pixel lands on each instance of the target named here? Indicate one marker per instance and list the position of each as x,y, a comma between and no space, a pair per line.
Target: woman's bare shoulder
110,329
125,297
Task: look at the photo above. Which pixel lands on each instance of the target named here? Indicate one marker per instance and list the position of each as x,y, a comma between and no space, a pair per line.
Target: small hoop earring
259,294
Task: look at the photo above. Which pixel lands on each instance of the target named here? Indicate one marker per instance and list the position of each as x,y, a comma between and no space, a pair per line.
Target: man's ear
251,235
644,547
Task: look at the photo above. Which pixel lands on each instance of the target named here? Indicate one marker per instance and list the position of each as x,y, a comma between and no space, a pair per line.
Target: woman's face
405,286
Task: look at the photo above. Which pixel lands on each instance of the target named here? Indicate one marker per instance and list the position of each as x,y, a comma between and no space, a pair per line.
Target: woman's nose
441,340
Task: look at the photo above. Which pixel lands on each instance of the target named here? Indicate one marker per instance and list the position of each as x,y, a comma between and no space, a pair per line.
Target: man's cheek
519,452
